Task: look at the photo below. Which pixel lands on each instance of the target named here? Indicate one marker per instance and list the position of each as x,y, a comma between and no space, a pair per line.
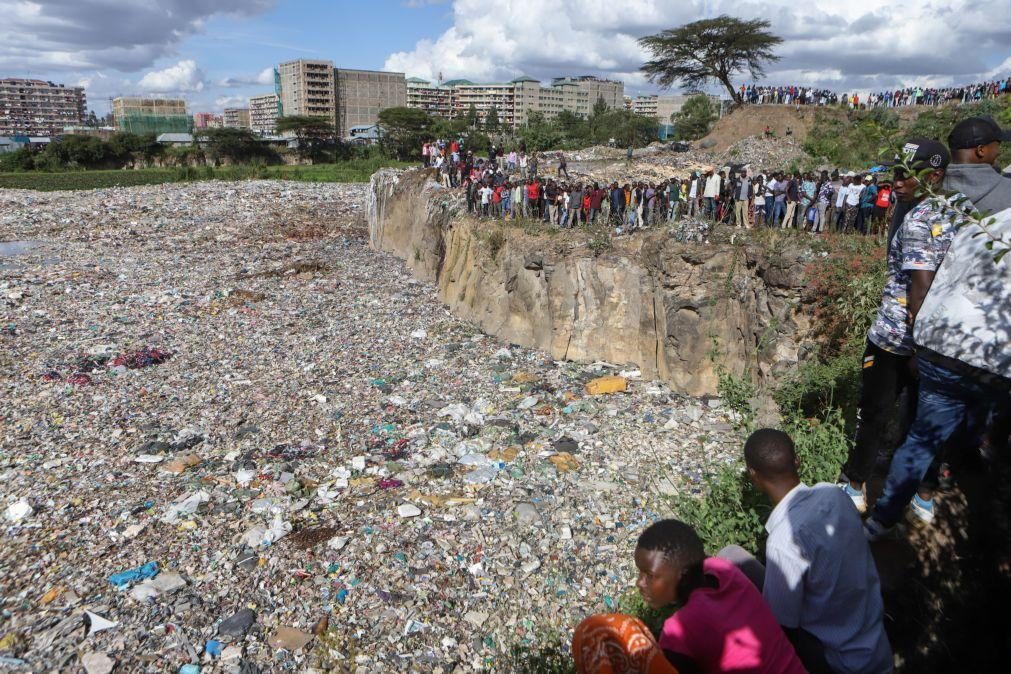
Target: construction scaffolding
140,123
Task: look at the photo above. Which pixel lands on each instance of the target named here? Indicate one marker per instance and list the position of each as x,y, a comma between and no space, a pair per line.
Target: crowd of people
940,336
754,94
510,187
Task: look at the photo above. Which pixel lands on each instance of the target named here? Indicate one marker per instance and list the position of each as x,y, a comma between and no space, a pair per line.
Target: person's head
977,140
868,180
771,460
669,557
927,160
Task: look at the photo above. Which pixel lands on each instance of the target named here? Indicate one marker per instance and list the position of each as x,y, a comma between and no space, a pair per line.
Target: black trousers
885,377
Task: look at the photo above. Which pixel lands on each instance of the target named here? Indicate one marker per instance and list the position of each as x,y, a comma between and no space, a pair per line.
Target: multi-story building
514,101
204,120
344,96
306,88
612,91
263,114
236,118
435,99
38,108
362,94
663,108
151,115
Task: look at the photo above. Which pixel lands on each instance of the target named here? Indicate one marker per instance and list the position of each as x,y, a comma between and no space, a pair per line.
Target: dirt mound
751,121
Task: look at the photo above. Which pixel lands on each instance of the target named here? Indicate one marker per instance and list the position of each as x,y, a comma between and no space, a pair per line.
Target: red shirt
496,196
533,191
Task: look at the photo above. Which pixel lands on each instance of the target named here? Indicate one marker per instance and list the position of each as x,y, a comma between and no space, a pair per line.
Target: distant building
365,134
435,99
514,101
236,118
363,94
175,139
8,145
344,96
207,120
306,88
263,113
36,107
662,108
151,115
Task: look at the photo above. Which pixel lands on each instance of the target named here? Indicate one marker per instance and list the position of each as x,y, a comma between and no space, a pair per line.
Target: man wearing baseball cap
914,254
975,145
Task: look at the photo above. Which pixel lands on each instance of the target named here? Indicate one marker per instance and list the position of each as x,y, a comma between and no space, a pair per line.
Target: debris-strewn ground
225,381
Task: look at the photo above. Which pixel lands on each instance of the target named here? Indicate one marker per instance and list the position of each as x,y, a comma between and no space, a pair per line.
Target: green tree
471,116
405,130
312,134
599,107
491,121
237,145
626,127
695,118
710,49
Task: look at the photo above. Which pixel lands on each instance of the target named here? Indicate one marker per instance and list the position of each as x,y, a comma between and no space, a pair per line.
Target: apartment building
664,107
236,118
306,87
435,99
263,114
345,96
205,120
151,115
514,101
612,91
39,108
362,94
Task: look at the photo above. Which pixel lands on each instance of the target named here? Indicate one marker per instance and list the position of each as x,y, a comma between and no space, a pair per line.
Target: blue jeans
778,212
946,399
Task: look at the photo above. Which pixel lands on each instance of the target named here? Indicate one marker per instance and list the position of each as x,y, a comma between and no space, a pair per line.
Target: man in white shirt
712,192
693,195
820,579
840,202
852,203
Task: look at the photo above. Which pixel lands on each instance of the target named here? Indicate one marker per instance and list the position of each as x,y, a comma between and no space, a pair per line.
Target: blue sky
216,53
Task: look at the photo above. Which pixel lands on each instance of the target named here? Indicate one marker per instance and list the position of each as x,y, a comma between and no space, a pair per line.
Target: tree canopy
710,49
695,118
404,131
312,134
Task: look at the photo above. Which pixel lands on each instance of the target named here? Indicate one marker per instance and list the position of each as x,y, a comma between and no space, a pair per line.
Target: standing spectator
711,192
792,199
914,254
743,192
562,165
824,200
852,201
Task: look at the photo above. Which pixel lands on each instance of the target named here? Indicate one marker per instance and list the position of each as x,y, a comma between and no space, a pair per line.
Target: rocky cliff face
648,300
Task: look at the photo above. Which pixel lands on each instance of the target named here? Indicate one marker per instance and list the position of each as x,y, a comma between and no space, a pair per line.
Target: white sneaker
858,497
923,510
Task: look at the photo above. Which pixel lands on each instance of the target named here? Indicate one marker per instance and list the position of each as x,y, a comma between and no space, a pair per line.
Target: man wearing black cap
914,254
975,145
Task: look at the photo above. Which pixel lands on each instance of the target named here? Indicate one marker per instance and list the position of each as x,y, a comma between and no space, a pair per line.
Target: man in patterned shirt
915,253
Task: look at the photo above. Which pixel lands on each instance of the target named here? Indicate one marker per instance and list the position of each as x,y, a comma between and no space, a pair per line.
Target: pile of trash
289,454
773,154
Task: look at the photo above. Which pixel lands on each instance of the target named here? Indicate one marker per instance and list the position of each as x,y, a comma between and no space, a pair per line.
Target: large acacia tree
710,49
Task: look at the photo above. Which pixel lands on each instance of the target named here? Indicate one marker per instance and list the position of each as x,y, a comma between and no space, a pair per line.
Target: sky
215,54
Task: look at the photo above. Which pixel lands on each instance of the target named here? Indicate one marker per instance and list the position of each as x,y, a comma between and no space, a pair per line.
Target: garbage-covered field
235,439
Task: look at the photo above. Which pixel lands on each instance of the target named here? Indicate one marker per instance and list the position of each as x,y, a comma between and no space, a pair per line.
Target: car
679,146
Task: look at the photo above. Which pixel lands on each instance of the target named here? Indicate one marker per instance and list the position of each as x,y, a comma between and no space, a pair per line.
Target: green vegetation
695,119
312,134
353,171
854,140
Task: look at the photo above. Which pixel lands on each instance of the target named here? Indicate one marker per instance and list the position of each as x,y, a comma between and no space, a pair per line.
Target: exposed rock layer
647,300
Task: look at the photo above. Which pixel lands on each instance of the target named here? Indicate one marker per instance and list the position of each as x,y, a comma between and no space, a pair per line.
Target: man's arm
918,287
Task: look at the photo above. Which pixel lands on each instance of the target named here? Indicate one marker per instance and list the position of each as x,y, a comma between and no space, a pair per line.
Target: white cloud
76,35
845,46
222,102
184,76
